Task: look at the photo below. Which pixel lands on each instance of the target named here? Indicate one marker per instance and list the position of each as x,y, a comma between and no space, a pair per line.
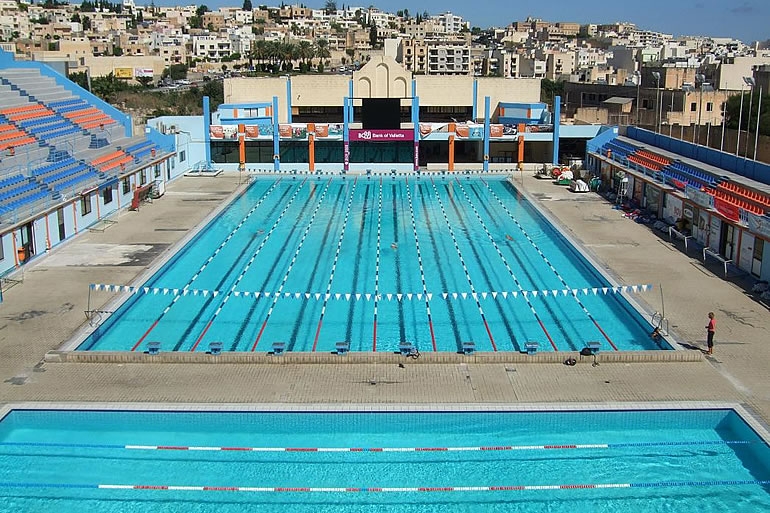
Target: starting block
279,348
531,347
343,347
215,348
153,348
405,348
469,348
594,347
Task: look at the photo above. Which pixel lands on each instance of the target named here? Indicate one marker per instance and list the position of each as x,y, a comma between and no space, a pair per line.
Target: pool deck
47,308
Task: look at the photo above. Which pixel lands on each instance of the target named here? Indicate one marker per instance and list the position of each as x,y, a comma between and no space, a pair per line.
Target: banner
123,72
539,128
223,132
292,131
143,72
383,135
728,210
425,129
495,131
698,197
322,130
473,132
760,225
251,131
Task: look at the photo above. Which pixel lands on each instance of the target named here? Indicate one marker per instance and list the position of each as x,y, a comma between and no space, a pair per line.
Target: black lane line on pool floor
277,294
462,263
301,315
442,277
272,270
225,276
483,268
399,280
327,293
356,270
206,263
525,270
254,256
558,275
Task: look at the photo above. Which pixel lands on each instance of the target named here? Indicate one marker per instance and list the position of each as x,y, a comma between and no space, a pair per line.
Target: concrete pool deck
47,307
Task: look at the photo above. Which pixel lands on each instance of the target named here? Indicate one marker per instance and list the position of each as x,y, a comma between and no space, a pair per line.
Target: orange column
98,210
311,146
521,145
15,250
75,216
47,235
452,128
241,147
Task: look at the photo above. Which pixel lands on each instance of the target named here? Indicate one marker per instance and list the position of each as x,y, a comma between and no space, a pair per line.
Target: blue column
475,98
206,129
556,116
486,133
345,134
288,99
276,137
350,101
414,88
416,123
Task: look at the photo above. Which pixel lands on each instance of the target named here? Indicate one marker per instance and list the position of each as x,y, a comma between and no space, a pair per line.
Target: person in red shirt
710,330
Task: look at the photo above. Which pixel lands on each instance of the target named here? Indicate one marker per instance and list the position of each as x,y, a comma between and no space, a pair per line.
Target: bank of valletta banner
223,132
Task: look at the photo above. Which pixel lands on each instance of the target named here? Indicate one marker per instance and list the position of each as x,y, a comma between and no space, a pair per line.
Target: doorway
60,222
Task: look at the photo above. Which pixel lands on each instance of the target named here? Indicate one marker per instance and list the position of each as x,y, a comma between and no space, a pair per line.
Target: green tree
373,36
247,5
144,81
201,10
330,6
75,18
748,120
117,51
86,21
175,72
80,78
549,89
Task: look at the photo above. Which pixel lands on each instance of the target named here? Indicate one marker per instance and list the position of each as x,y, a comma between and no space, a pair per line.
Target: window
143,176
693,107
156,172
85,205
2,252
107,195
709,107
182,156
126,185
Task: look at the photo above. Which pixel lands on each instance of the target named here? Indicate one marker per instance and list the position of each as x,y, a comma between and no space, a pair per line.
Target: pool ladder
659,321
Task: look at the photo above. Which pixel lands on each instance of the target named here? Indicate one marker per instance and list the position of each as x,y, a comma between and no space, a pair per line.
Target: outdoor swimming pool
556,461
435,261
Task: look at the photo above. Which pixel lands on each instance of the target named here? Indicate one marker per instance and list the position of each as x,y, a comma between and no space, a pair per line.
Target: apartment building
559,64
450,23
211,47
448,58
213,21
415,52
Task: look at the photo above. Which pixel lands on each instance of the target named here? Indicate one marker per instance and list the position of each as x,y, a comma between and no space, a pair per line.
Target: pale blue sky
743,19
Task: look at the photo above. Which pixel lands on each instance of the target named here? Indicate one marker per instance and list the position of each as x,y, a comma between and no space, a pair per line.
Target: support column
452,127
276,137
416,124
241,147
345,135
311,146
556,116
475,99
206,129
350,101
486,133
288,99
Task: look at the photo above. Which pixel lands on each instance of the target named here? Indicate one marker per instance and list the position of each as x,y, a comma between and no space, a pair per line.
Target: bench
710,252
673,232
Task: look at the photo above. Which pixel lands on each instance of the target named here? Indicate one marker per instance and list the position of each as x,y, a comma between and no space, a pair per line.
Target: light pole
638,76
749,82
656,76
756,132
740,120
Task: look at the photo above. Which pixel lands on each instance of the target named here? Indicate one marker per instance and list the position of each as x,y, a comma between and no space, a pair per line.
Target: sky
746,20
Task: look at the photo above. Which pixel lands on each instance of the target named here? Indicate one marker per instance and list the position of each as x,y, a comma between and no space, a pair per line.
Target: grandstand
61,146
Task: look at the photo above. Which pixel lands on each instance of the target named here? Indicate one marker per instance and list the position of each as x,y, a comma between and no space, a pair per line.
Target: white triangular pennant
205,293
604,290
554,293
515,294
585,292
483,295
307,295
358,297
444,295
525,293
615,289
505,294
347,297
475,296
317,296
327,296
574,292
256,295
165,291
464,295
545,293
401,296
185,292
215,293
195,292
337,296
146,290
368,297
534,293
494,295
297,295
595,291
176,292
247,293
454,295
634,288
236,293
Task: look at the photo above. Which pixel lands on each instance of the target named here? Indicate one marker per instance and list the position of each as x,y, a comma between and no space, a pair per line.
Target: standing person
710,330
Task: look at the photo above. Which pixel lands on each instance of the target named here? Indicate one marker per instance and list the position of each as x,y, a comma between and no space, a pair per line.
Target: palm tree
322,49
259,53
305,52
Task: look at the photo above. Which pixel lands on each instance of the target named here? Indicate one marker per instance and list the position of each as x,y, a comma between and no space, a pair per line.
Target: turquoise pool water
674,461
434,261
